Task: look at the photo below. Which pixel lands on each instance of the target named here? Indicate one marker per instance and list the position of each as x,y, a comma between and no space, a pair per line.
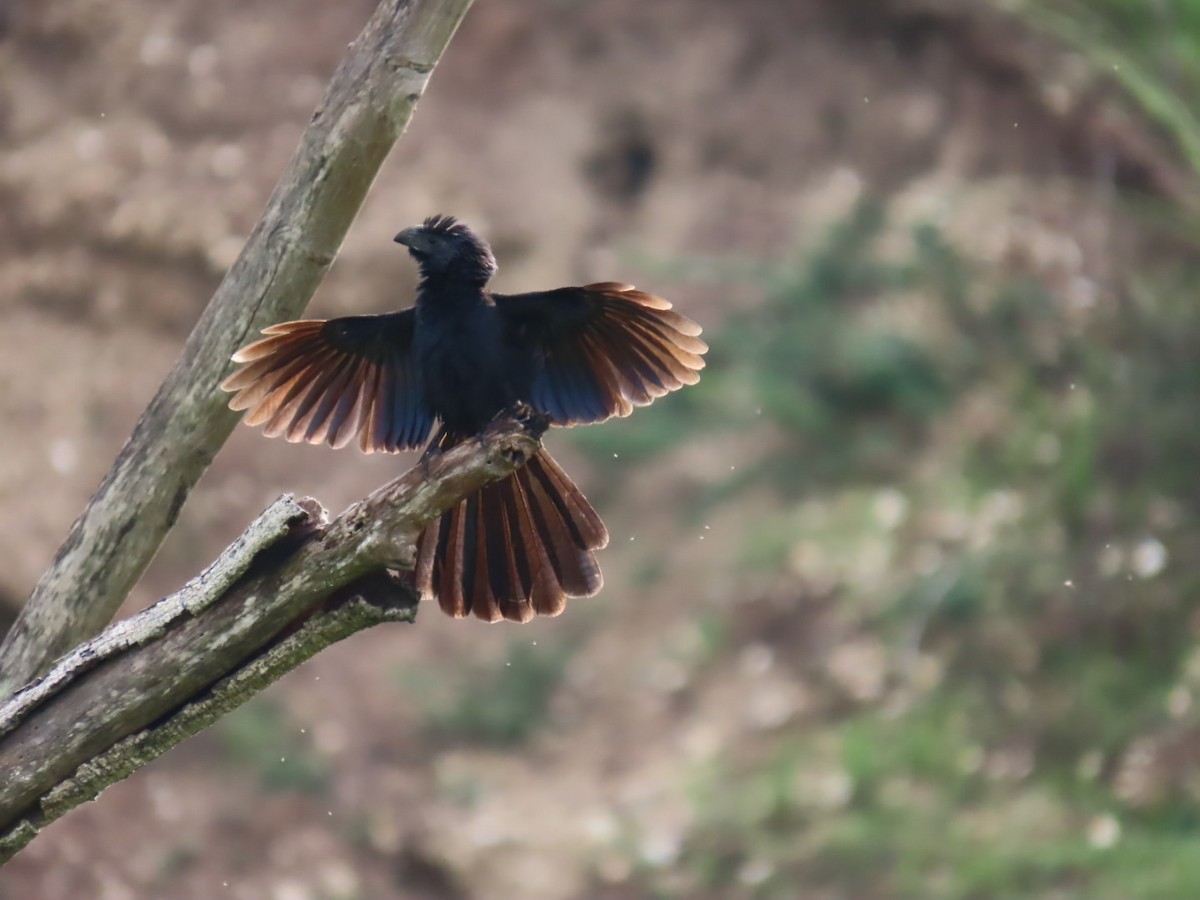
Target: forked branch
290,585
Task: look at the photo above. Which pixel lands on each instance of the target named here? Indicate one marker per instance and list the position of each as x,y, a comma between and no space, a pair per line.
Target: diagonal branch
291,585
366,107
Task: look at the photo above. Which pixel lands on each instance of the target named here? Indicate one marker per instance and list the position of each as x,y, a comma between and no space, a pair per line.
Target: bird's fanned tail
516,549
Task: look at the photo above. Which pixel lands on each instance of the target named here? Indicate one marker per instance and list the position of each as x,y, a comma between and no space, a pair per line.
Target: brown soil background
587,141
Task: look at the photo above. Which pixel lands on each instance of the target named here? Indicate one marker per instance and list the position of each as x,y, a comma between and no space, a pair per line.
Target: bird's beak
407,236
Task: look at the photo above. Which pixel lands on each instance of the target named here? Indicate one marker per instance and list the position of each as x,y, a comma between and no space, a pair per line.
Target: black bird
461,356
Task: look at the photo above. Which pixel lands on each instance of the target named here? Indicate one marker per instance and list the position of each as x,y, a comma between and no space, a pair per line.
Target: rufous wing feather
606,348
328,382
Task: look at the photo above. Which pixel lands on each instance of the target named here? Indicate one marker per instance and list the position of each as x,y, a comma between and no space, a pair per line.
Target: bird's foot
534,421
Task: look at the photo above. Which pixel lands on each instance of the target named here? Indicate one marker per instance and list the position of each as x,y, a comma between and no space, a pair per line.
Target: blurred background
902,598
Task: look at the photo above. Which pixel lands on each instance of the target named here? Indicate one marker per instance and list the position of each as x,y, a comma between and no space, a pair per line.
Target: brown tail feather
516,549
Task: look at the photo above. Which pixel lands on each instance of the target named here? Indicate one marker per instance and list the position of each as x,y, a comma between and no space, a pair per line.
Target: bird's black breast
471,367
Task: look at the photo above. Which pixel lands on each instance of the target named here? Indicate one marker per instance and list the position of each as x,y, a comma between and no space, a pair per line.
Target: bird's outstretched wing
326,381
605,349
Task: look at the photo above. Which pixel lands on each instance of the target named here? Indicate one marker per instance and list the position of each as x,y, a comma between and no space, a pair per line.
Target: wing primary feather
375,433
688,330
335,386
684,357
586,405
296,326
403,429
334,380
284,400
281,334
647,365
306,412
321,423
668,358
343,421
274,375
561,382
287,352
620,393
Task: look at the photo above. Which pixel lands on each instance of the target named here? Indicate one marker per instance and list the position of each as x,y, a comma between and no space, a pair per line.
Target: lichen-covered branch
292,584
366,107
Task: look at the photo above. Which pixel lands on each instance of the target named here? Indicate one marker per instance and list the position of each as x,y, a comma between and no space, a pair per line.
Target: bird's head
443,246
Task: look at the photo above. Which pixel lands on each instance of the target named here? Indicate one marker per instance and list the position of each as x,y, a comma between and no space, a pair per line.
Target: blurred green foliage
260,737
1042,459
1151,48
500,703
1060,616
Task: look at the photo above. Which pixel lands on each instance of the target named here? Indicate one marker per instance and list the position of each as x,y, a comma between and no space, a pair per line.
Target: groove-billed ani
461,356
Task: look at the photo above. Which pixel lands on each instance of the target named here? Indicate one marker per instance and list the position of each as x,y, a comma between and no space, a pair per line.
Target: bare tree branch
291,585
366,107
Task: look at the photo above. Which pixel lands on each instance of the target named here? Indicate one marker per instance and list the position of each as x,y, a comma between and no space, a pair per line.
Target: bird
456,359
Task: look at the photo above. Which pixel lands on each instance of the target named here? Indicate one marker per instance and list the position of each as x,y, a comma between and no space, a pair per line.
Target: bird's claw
531,419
